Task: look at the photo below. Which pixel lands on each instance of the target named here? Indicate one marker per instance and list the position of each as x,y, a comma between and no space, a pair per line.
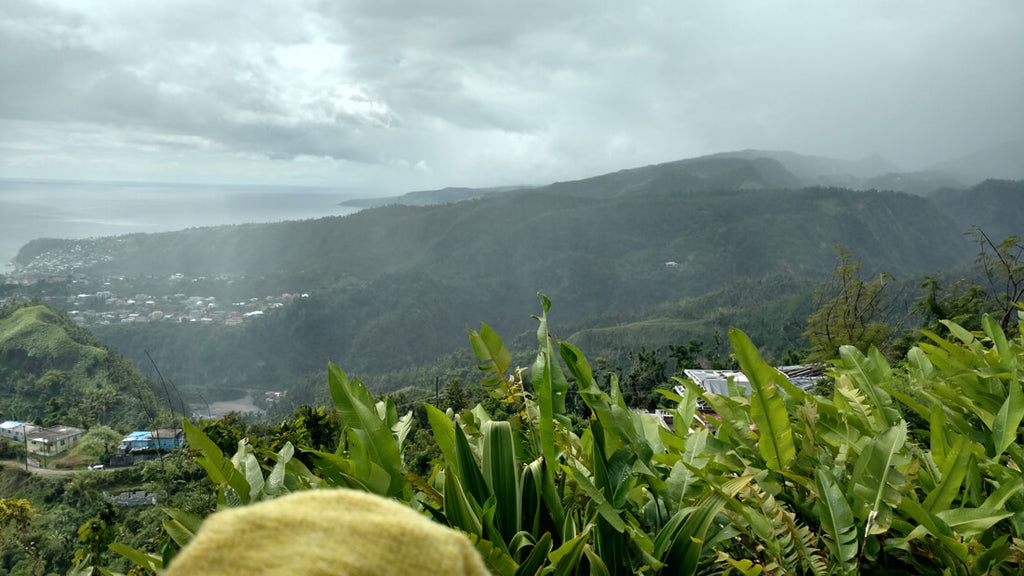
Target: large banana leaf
1006,425
941,498
875,482
181,525
494,361
359,414
971,522
502,476
549,384
444,434
767,409
150,562
220,469
245,461
614,417
681,478
458,509
470,476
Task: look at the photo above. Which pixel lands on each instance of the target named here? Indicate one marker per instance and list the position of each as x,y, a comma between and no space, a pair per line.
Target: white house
15,430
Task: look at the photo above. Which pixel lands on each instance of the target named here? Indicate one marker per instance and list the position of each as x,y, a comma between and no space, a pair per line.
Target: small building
54,440
717,381
14,430
135,441
134,498
168,439
162,439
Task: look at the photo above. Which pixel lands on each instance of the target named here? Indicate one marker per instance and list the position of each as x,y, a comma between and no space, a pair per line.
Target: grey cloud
528,90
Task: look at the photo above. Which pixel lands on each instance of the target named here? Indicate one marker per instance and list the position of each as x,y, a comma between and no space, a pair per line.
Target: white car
96,467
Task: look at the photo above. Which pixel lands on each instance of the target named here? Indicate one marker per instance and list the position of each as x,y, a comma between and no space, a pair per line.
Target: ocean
32,209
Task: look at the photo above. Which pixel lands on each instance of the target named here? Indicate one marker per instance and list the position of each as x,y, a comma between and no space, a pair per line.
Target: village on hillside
117,299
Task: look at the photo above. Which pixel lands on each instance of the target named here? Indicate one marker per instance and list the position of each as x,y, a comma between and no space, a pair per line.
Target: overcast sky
391,96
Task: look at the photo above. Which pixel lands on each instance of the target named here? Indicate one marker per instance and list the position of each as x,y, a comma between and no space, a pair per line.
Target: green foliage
786,482
646,376
849,311
962,303
1003,264
993,206
53,371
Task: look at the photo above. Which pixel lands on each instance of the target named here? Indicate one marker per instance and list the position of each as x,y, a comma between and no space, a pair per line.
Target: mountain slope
1004,161
52,371
820,170
428,197
396,286
995,206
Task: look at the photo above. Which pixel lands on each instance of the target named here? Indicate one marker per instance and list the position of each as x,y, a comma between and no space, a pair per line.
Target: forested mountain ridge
428,197
995,206
395,287
401,284
54,372
1003,161
719,193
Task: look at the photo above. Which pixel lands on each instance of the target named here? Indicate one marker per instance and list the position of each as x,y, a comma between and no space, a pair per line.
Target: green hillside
395,287
995,206
52,371
773,308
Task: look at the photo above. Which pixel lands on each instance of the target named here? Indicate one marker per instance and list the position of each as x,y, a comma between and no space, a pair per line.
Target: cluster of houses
102,308
106,306
42,441
56,440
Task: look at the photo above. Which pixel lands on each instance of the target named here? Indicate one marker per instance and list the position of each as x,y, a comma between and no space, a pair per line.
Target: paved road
35,469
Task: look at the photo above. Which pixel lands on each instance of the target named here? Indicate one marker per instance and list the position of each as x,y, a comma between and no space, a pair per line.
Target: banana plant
783,482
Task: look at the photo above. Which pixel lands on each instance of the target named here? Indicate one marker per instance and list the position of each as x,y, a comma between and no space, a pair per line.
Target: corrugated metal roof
717,381
47,435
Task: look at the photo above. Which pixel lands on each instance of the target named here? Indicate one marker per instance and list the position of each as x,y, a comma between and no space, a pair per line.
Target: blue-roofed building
163,439
15,430
135,441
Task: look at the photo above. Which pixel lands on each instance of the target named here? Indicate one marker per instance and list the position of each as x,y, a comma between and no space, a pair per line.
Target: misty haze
565,288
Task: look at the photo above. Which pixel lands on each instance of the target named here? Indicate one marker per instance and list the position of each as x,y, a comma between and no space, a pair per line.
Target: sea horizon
77,209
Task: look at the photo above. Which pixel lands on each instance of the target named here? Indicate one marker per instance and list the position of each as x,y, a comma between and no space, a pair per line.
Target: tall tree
1003,264
850,310
646,376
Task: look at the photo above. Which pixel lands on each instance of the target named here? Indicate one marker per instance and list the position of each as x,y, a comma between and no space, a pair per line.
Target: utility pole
24,437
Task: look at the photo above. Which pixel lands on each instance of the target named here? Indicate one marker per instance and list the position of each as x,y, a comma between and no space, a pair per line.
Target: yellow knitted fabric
321,532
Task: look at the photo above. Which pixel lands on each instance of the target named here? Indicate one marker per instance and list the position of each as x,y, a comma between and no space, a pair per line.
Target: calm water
67,209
